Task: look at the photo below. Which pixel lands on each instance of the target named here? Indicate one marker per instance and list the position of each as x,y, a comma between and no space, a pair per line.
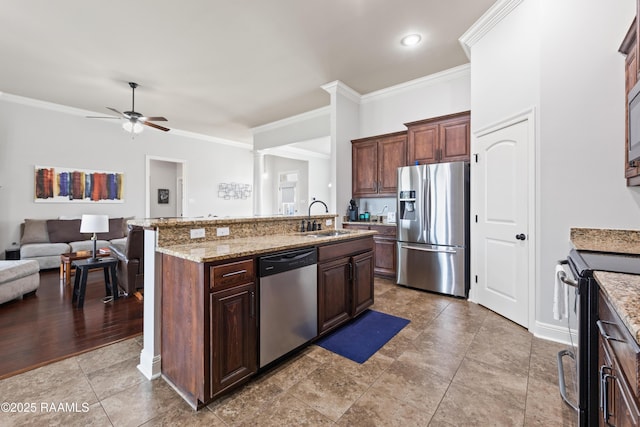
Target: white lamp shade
131,126
94,224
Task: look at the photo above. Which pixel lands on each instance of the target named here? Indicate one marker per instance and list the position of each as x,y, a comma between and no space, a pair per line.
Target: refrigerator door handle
423,249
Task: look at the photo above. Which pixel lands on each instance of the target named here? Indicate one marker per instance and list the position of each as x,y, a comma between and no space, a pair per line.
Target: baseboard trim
555,333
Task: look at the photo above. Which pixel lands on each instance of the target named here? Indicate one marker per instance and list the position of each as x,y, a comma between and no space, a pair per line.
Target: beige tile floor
455,364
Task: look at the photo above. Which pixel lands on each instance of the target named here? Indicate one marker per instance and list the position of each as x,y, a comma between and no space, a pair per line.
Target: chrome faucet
326,209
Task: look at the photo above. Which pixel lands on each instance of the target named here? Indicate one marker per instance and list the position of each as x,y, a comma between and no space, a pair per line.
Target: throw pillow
35,231
115,230
65,231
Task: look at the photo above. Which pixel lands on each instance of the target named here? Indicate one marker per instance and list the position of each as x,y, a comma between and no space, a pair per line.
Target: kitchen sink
328,233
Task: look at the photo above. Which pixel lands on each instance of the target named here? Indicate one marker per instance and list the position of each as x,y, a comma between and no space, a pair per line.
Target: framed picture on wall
163,196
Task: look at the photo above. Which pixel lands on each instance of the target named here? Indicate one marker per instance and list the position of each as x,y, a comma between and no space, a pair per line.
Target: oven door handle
564,279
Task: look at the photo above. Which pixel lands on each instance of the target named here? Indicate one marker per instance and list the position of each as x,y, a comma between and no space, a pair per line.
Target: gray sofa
44,240
18,279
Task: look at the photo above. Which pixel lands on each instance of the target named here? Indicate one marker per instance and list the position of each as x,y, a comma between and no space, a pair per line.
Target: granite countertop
386,224
623,291
606,240
200,221
258,245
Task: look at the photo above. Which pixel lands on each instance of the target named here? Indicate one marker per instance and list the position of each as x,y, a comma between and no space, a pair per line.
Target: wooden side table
68,258
82,271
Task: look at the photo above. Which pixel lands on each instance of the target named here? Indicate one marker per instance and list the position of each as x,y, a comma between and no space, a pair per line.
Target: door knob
521,236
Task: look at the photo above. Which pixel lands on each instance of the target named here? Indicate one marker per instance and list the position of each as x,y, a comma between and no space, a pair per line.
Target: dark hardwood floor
46,327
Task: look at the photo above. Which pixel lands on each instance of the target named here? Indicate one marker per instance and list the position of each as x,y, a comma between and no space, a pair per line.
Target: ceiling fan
134,120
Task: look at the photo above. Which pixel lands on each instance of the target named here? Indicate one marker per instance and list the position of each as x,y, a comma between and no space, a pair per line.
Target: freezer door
446,204
410,208
433,268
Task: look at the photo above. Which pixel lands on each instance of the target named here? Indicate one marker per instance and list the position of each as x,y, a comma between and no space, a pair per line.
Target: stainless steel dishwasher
288,302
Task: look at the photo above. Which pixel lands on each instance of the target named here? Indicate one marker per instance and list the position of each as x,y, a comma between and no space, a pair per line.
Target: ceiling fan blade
117,112
154,119
153,125
102,117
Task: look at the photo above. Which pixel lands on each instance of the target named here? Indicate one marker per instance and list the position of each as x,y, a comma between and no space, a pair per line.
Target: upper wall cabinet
375,161
629,48
439,139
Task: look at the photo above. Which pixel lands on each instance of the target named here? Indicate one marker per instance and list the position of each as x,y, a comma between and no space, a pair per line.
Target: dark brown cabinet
233,336
386,249
439,139
618,358
375,161
629,47
209,326
345,282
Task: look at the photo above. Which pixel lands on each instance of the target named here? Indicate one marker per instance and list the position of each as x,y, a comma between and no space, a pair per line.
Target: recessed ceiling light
411,40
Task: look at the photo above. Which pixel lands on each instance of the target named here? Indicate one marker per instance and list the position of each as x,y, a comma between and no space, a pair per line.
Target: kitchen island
205,325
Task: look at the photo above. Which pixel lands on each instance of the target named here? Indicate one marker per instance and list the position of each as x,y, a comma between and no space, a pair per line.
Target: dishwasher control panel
285,261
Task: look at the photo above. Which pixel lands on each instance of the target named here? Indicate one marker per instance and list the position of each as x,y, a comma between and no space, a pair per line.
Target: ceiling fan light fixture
411,40
132,126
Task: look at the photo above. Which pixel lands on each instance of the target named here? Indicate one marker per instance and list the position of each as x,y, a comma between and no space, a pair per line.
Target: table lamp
94,224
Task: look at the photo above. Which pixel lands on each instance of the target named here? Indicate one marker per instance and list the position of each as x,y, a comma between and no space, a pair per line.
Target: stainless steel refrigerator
433,227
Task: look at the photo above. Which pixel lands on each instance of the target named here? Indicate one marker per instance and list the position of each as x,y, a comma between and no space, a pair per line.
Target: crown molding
323,111
295,152
432,79
45,105
337,87
487,21
30,102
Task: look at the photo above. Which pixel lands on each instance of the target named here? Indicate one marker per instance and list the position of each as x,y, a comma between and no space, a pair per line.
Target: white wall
387,110
35,133
581,128
561,59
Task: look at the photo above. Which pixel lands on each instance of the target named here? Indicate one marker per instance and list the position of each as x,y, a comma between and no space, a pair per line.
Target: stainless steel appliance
288,302
433,227
582,264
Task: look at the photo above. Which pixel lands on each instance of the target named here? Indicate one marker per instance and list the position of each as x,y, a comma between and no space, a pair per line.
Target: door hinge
476,157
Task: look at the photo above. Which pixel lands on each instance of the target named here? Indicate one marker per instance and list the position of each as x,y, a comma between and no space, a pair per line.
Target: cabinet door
362,286
422,144
333,294
454,140
385,256
392,154
364,168
234,355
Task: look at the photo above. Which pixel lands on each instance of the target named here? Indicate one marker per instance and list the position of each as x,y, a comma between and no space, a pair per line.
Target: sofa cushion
116,230
43,249
87,245
65,231
12,270
122,241
35,231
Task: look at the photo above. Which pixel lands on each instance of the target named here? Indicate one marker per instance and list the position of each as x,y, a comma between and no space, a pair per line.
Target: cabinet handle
252,310
233,273
604,388
350,271
600,324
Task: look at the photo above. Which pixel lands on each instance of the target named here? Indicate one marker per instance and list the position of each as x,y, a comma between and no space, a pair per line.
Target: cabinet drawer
384,230
624,346
233,273
348,248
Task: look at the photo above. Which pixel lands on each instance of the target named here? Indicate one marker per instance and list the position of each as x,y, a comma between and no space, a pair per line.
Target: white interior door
502,179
